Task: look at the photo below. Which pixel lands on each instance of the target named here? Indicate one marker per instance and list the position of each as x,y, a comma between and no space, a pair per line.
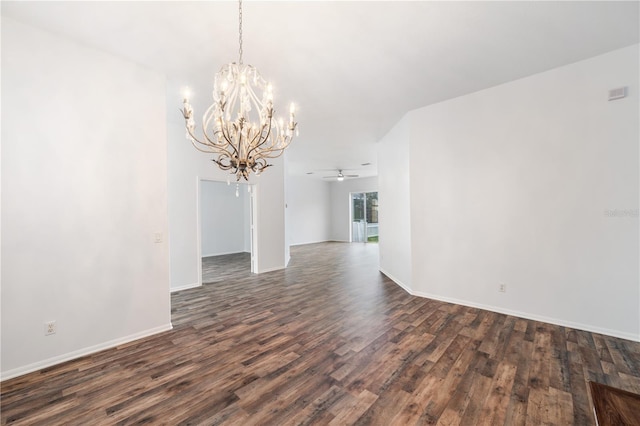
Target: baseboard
184,287
277,268
224,254
310,242
397,281
20,371
519,314
534,317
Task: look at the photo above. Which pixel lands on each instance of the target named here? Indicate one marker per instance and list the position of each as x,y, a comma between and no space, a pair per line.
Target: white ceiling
354,68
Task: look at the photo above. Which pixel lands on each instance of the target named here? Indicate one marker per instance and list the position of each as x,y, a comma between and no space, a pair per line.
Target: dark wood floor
330,340
226,267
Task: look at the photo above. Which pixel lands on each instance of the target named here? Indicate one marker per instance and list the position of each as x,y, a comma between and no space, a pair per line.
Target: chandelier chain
240,29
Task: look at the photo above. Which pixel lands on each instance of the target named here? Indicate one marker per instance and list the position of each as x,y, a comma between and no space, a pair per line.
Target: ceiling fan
340,176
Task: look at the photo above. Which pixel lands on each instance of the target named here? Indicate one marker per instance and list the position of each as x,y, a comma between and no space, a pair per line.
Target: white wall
84,191
246,212
394,213
309,208
512,184
224,223
270,217
186,166
340,204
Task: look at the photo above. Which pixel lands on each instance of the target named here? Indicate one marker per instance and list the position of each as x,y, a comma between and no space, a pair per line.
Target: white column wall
270,217
84,193
394,213
533,184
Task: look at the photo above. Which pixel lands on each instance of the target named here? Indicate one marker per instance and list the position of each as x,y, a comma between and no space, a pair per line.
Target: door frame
252,223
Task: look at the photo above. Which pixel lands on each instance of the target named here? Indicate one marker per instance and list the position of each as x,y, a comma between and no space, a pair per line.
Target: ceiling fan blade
351,175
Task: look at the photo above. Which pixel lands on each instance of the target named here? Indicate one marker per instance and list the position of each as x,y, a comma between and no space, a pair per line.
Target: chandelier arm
220,159
222,165
206,121
260,165
266,138
257,137
210,142
280,150
208,114
194,139
207,151
215,142
212,147
232,99
229,141
287,141
226,141
254,97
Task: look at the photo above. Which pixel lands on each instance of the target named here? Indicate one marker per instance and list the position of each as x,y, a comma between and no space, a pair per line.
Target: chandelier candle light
239,127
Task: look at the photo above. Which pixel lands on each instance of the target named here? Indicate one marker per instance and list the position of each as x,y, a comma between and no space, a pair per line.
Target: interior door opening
364,217
226,237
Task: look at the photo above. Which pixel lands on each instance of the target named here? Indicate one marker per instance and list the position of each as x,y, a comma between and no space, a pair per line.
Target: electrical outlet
502,288
50,328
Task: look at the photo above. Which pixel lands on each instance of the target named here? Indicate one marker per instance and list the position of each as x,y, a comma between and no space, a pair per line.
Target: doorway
226,238
364,217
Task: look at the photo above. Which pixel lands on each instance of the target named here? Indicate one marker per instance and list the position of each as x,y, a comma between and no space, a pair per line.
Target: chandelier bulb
237,190
269,92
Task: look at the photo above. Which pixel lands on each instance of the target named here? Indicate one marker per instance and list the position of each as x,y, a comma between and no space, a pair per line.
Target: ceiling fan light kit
340,176
240,127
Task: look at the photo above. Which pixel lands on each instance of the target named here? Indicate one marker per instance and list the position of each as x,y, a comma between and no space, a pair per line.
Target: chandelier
240,127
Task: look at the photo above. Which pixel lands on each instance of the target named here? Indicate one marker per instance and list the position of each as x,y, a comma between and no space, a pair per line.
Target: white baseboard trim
397,281
277,268
10,374
224,254
519,314
310,242
534,317
184,287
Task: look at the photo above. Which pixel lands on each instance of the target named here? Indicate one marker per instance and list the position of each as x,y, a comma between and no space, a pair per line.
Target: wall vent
618,93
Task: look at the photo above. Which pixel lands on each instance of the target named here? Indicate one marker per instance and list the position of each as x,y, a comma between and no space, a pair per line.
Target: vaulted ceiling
354,68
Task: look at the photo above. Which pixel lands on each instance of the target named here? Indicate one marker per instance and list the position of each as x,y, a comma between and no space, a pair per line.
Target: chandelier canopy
240,127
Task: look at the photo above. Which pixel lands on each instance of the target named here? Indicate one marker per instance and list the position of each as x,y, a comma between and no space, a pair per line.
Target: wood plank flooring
329,340
226,267
614,407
